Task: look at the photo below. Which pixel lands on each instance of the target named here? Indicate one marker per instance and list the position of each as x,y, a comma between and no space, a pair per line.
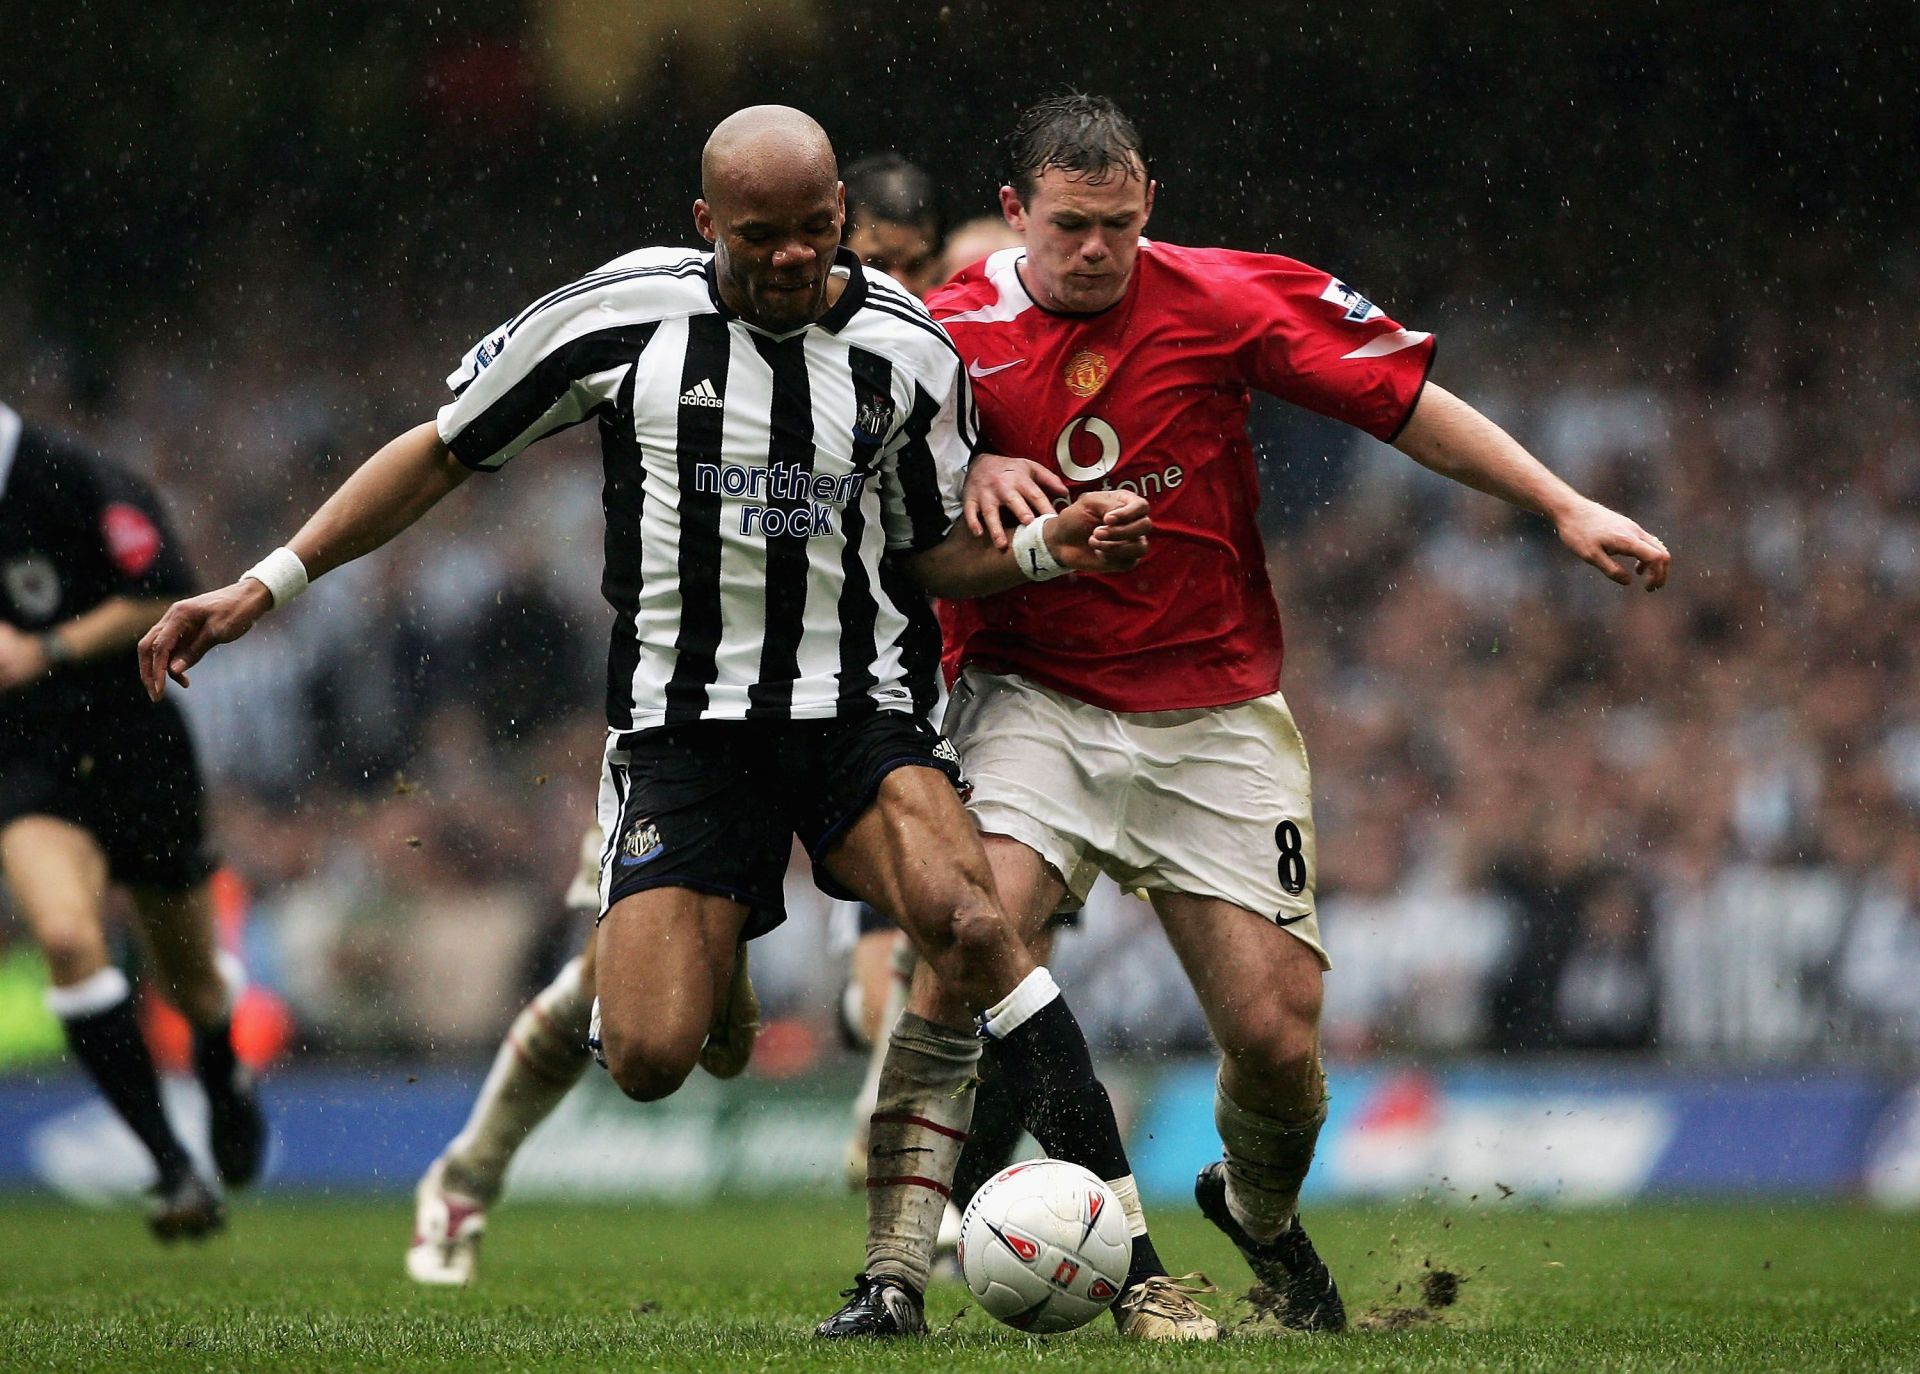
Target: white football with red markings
1044,1246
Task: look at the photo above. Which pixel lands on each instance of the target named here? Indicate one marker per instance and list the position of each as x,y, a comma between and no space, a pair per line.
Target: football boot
447,1231
1163,1309
1287,1265
876,1306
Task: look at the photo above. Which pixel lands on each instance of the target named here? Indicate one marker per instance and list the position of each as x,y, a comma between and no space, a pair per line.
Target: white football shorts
1210,802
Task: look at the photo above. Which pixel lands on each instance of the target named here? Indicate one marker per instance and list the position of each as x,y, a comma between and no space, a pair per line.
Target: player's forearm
963,566
387,493
1455,440
113,625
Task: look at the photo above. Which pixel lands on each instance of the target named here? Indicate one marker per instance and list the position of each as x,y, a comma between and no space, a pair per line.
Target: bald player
786,440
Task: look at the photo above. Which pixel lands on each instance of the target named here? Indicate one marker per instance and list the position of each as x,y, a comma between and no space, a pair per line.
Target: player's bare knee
1277,1049
979,941
73,950
647,1071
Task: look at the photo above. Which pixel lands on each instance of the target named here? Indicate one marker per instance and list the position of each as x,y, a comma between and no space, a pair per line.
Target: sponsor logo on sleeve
1358,308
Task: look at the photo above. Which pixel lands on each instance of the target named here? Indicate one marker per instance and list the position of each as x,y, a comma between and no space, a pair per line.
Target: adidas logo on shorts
702,393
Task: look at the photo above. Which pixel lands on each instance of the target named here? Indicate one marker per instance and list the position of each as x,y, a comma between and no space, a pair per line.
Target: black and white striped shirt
754,482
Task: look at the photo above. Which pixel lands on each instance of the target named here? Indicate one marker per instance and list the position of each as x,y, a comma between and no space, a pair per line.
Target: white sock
543,1056
1129,1194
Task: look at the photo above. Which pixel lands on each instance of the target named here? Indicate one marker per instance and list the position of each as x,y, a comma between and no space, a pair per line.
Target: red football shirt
1151,395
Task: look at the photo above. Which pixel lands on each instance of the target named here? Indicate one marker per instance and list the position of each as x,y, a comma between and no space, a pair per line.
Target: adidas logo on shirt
702,394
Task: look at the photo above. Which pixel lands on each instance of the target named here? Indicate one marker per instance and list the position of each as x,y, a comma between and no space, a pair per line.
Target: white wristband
1030,552
281,573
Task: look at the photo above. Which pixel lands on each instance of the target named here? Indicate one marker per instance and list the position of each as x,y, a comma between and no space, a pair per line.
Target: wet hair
887,186
1083,134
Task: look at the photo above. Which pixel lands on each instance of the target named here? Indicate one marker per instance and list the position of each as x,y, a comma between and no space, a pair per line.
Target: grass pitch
317,1285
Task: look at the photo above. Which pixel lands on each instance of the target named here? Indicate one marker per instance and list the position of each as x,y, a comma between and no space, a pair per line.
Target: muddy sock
1267,1160
543,1056
918,1128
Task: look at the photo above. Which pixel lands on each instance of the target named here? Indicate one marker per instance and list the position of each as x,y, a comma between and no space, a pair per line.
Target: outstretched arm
1455,440
107,628
1102,532
387,493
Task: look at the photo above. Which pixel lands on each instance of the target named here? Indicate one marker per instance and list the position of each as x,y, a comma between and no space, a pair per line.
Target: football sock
1267,1160
543,1056
919,1125
869,1094
97,1013
1039,1050
1145,1261
996,1130
214,1061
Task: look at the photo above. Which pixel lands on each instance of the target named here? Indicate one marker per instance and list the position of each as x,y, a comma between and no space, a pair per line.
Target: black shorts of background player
98,787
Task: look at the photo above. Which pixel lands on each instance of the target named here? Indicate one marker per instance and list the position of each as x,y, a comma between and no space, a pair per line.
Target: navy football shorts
714,805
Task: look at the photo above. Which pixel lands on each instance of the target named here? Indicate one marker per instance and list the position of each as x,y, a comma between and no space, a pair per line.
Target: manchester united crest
1086,372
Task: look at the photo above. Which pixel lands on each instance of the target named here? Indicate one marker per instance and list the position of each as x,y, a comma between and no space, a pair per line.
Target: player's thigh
912,854
694,862
1029,887
1259,986
1222,807
882,820
57,875
1045,771
665,955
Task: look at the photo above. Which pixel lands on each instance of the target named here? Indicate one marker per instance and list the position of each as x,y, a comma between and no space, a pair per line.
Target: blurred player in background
99,786
791,702
1134,726
893,221
971,242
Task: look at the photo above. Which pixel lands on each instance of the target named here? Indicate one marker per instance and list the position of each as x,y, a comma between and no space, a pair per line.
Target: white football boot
447,1230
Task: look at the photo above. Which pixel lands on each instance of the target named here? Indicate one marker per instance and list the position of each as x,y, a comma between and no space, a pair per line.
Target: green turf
317,1285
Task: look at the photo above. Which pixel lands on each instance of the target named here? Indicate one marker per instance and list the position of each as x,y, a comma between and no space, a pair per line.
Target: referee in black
786,437
98,786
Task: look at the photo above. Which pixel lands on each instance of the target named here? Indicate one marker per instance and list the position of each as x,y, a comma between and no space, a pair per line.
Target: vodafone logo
1100,433
133,540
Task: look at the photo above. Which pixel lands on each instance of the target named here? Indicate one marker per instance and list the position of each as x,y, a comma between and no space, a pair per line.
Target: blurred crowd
1553,813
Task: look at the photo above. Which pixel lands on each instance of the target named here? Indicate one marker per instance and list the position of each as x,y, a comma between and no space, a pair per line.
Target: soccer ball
1044,1246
